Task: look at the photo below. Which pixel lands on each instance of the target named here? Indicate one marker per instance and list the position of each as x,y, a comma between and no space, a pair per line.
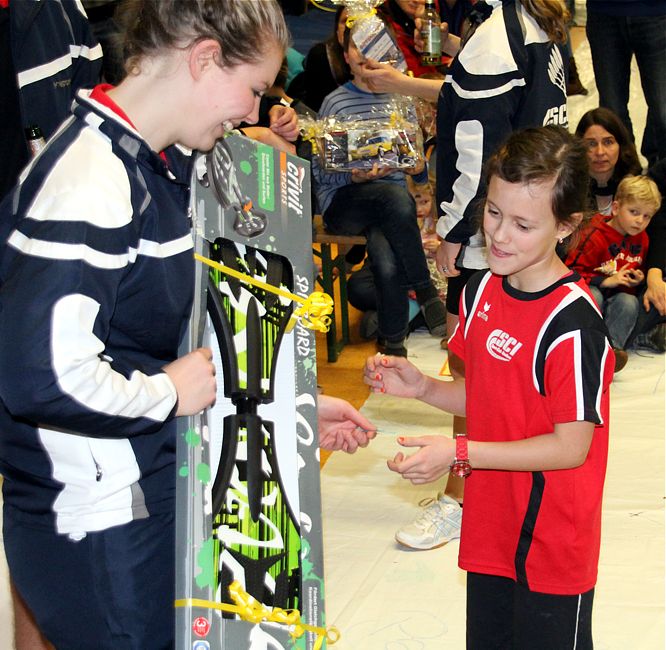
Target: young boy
611,257
377,203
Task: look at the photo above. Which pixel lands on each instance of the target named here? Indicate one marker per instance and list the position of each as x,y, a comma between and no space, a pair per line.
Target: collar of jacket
130,141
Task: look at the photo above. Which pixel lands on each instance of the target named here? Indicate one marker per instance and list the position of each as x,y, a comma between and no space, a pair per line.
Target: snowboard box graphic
248,498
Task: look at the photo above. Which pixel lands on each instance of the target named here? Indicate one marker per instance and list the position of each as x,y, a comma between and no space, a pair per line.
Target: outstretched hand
341,426
430,462
394,376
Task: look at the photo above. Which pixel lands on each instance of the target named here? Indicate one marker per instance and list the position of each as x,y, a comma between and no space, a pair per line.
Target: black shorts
113,590
503,615
454,287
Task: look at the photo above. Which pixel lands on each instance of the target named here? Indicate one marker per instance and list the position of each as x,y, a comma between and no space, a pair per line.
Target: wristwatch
460,466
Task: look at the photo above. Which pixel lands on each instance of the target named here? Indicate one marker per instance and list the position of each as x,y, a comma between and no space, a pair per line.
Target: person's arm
574,383
655,262
475,113
86,52
590,258
623,278
58,303
384,78
267,136
565,448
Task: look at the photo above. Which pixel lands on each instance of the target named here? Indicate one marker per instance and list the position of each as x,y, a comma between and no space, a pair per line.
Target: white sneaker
437,523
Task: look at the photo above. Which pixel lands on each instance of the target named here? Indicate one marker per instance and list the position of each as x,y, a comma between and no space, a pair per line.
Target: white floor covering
382,596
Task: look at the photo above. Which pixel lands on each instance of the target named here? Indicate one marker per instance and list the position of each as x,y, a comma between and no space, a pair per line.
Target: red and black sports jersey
533,360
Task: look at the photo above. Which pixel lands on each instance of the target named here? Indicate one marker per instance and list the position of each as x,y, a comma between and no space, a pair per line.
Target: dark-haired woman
611,155
324,68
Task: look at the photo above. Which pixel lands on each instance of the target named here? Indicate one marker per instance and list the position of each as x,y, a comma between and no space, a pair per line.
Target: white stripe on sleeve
92,382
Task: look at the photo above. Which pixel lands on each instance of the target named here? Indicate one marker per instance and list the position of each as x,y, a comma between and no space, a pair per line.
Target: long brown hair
551,15
335,52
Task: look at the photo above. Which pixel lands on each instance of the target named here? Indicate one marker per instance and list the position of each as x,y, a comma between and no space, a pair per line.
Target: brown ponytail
243,28
551,15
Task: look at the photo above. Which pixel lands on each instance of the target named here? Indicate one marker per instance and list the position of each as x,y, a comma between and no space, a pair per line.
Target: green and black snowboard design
248,497
248,489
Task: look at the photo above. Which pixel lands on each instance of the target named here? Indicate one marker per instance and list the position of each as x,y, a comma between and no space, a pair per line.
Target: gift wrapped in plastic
394,141
370,34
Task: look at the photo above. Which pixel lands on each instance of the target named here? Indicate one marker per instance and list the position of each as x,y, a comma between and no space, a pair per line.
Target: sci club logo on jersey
557,115
502,345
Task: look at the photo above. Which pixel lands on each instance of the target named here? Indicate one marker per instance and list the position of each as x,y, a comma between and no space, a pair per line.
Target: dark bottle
431,34
35,139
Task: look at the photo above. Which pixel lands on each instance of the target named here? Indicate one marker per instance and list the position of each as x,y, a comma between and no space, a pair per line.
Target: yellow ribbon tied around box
252,611
314,312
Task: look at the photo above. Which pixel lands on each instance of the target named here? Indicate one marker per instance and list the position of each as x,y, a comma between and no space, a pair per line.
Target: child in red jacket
611,257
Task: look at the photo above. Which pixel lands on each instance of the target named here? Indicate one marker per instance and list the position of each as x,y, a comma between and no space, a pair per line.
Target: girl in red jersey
538,366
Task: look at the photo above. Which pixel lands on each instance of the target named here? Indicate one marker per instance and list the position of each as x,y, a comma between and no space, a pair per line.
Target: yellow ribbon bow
314,312
367,14
252,611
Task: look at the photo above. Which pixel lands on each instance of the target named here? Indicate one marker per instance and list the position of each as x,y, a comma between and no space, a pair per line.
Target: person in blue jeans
617,31
378,204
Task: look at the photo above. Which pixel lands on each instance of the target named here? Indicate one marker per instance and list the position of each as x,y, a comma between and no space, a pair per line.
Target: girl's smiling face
522,232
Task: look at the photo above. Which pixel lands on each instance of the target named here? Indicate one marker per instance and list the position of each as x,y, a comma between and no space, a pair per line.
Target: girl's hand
194,378
394,376
430,245
429,463
365,175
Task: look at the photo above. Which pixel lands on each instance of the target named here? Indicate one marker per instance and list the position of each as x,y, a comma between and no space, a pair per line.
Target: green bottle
431,34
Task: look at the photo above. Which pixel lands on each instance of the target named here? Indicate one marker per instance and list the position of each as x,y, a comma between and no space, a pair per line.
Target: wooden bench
331,262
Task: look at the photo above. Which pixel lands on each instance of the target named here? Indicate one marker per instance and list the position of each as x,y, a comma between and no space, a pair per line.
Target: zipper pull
98,474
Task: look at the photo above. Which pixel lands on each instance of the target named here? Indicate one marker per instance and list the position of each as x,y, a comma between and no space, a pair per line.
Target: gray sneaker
437,524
